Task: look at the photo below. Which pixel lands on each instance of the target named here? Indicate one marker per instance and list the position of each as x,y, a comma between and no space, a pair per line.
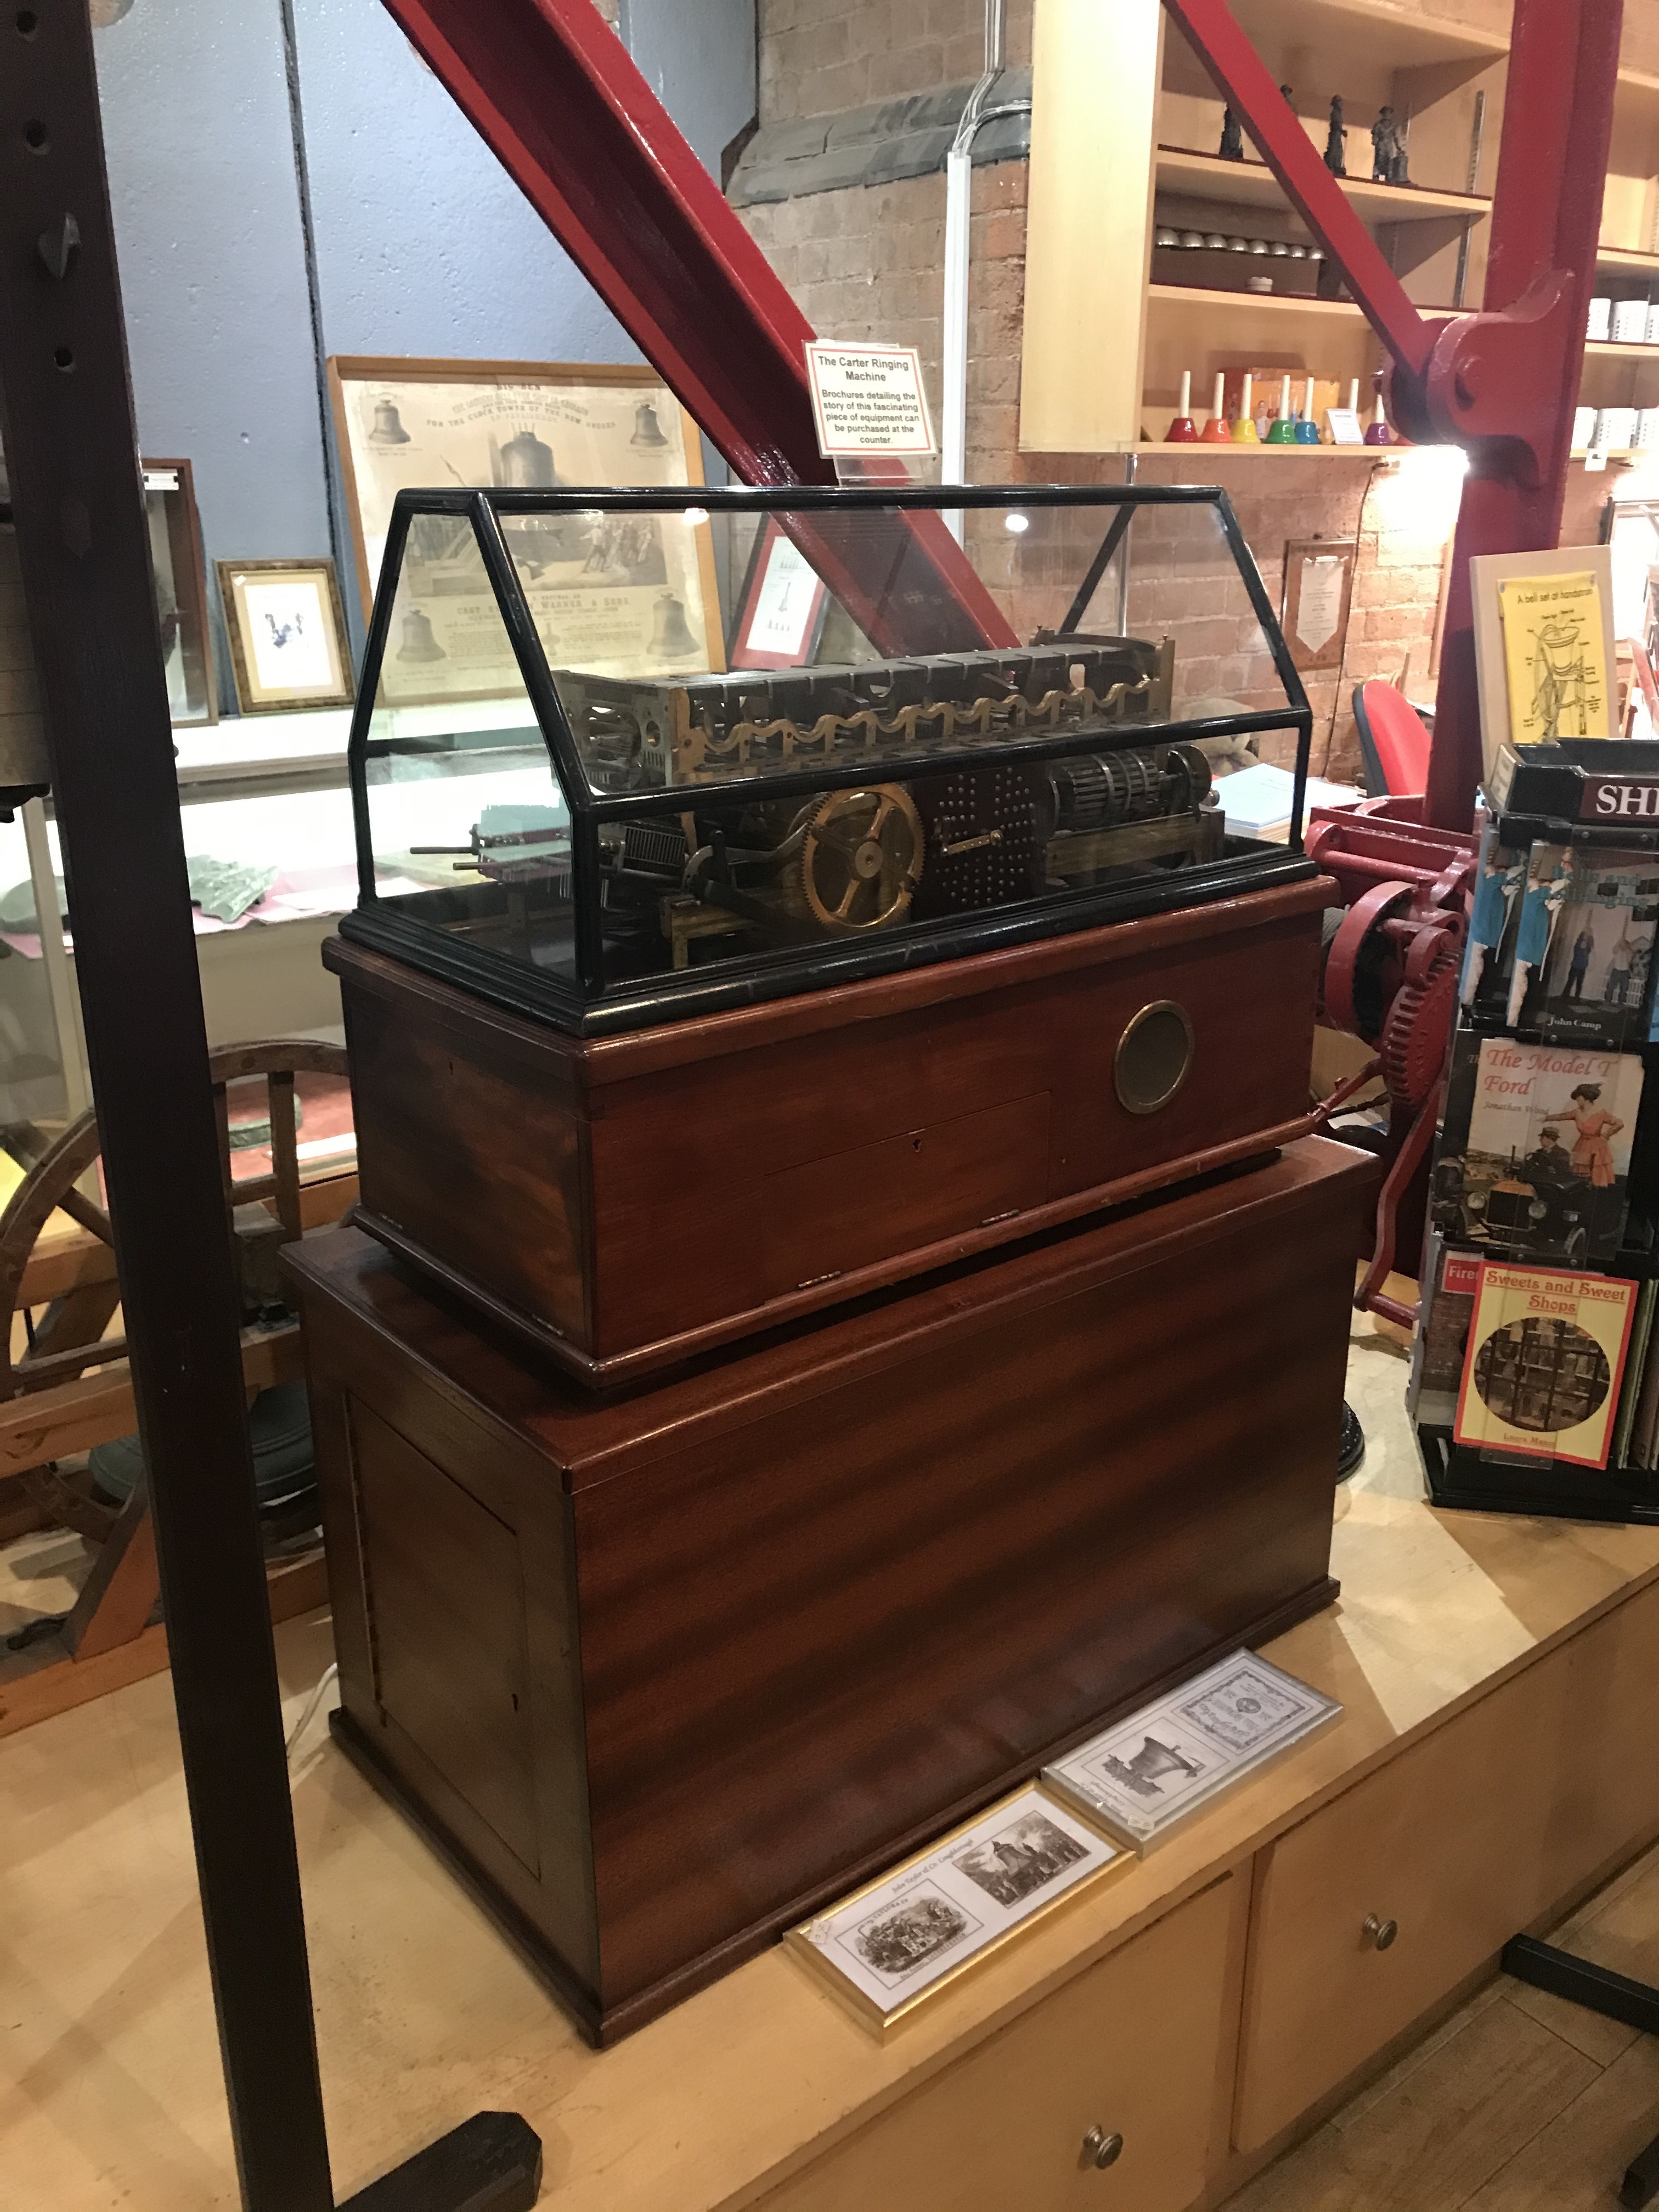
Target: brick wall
819,56
866,264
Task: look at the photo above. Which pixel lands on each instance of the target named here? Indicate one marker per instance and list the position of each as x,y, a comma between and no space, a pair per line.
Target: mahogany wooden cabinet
626,1201
663,1670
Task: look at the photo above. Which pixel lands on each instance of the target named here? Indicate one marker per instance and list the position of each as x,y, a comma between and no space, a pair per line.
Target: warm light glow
696,514
1017,523
1418,490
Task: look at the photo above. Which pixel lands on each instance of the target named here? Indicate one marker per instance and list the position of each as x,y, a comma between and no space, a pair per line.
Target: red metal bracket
556,96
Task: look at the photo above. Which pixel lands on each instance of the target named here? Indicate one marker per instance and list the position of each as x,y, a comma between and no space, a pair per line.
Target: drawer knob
1101,2149
1379,1934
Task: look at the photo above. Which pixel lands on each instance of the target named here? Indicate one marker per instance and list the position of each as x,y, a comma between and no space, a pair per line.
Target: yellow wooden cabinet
1102,2097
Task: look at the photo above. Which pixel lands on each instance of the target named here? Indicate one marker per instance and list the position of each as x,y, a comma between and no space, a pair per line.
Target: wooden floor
109,2086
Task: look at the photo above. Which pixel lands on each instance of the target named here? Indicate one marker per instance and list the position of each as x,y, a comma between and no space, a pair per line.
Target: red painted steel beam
1506,380
557,98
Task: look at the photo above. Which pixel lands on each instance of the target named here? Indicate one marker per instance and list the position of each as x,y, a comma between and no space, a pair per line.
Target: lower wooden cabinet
1129,2049
1375,1908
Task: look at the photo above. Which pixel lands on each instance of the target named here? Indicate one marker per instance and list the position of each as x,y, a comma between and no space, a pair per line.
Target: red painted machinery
555,95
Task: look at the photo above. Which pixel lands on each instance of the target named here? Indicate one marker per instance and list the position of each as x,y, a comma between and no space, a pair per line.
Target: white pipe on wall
958,210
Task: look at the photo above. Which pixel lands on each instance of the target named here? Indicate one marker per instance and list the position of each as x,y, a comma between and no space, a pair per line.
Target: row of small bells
1284,429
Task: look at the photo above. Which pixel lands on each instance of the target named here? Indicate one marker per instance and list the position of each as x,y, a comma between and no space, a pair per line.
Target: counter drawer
1467,1837
1130,2047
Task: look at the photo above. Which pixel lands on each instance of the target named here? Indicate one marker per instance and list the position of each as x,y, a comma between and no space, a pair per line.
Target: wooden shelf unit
1252,183
1435,232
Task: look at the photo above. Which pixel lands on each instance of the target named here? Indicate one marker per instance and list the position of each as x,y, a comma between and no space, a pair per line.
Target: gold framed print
287,631
595,584
903,1938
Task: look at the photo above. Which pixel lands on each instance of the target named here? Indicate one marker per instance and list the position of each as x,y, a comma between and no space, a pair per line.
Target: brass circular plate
1153,1058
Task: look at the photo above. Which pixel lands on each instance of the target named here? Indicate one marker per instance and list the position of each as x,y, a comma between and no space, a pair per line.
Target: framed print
181,601
287,634
609,594
1318,592
1144,1775
781,608
905,1936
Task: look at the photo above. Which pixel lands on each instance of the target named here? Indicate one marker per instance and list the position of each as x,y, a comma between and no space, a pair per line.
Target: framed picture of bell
181,601
622,594
288,643
781,608
1147,1773
910,1933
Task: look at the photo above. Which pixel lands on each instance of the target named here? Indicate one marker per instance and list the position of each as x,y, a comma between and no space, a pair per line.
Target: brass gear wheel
860,857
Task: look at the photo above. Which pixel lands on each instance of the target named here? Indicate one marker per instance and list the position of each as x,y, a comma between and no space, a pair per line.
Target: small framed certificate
903,1937
781,608
1143,1775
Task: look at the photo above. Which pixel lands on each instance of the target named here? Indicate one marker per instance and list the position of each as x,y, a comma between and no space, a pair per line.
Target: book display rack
1535,1373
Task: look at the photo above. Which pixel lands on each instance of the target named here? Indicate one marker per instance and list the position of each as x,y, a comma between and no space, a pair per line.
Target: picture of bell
418,643
671,640
647,431
388,430
1151,1764
527,464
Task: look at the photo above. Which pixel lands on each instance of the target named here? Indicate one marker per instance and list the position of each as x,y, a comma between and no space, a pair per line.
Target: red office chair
1394,740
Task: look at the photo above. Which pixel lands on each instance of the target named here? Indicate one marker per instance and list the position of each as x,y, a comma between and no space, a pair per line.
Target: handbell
671,638
647,431
418,641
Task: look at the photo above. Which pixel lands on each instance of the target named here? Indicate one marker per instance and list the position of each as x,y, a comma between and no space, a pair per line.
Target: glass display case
620,757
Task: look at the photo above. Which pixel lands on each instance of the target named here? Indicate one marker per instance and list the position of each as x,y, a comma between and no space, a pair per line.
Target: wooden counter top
424,2015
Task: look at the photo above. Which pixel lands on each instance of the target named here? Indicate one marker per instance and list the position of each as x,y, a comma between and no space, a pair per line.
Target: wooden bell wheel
69,1336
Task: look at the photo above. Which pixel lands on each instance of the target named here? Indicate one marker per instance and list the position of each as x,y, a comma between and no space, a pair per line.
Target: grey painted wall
421,243
698,56
213,277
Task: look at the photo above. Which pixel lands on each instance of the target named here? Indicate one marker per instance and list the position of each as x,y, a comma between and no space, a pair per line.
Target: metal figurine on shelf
1231,148
1336,140
1389,165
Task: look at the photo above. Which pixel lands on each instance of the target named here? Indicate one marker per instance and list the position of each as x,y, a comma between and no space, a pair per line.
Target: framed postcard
181,600
287,634
781,608
903,1937
624,595
1143,1775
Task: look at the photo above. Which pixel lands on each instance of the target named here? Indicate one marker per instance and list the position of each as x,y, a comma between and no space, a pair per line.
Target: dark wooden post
66,422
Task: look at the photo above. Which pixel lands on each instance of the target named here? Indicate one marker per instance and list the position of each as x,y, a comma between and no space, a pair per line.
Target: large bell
671,639
647,431
1149,1765
388,429
527,464
418,641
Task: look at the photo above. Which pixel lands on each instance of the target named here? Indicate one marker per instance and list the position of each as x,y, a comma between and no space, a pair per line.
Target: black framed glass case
621,757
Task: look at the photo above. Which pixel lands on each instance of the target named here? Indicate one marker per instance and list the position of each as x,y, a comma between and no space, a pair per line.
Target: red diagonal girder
557,98
1243,80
